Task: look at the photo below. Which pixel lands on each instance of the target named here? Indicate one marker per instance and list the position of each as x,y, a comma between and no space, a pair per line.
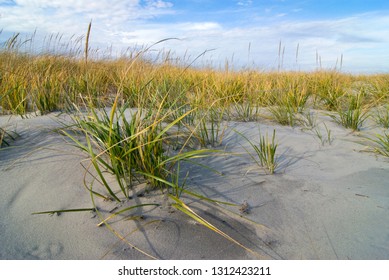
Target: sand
326,201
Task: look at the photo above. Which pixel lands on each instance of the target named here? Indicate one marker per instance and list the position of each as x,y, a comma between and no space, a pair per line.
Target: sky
300,35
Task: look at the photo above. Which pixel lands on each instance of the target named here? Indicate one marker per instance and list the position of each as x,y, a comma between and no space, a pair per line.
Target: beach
326,200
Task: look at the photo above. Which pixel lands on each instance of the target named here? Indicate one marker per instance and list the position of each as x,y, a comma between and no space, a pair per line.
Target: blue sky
358,30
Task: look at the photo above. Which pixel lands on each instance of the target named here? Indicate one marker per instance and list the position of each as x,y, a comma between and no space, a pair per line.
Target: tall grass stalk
87,42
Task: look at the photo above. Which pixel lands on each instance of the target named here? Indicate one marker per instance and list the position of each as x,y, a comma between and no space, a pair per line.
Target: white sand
324,202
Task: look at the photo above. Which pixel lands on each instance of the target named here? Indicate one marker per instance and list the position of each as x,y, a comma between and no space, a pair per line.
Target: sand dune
326,201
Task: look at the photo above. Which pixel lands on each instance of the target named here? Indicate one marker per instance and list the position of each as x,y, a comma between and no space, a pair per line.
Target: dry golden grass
51,82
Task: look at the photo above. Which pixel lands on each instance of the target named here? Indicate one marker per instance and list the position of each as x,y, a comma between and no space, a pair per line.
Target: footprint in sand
46,251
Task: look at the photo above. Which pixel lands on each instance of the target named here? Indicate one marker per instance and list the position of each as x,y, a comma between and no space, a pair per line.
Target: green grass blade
181,206
125,210
64,211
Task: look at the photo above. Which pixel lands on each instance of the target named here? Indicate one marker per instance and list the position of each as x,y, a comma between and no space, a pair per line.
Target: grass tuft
283,114
382,117
265,151
354,115
323,140
381,144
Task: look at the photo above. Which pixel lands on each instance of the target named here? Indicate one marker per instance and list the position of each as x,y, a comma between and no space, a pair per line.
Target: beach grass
381,144
327,138
138,117
382,116
264,152
48,81
354,115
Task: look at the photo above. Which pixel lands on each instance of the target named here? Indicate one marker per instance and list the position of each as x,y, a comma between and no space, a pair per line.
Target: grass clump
244,112
130,146
283,114
354,115
137,148
327,138
308,120
382,117
209,128
264,152
328,88
381,144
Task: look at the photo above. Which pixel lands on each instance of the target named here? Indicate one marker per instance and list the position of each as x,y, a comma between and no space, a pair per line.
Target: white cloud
200,26
281,15
245,2
160,4
67,16
362,39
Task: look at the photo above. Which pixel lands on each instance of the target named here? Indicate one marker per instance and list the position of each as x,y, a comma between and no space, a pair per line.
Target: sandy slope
324,202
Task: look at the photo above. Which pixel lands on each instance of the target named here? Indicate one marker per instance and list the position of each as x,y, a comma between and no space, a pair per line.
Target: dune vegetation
55,79
139,117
